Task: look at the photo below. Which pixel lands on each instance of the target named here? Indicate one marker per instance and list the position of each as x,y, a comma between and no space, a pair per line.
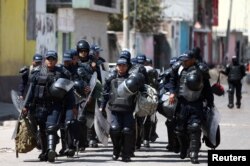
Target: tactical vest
120,103
235,73
43,82
184,91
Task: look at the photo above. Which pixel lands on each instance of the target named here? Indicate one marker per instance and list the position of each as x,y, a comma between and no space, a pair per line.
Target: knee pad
52,130
115,129
194,127
127,130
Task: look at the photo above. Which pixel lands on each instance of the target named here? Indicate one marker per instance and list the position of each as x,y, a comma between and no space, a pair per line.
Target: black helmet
135,82
194,80
235,60
79,85
60,87
82,45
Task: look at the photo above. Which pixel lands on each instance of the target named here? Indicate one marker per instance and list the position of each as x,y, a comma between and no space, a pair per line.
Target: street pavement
235,134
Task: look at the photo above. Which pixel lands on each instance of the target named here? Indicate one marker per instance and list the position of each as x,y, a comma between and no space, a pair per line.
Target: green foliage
148,16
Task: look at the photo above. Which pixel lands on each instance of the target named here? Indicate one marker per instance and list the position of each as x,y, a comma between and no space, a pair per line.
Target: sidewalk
7,112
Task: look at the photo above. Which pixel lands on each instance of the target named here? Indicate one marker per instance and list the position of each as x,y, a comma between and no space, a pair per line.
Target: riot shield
102,126
104,72
16,100
92,84
19,104
210,126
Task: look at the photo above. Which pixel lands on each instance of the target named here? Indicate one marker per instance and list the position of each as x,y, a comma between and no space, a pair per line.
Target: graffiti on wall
45,32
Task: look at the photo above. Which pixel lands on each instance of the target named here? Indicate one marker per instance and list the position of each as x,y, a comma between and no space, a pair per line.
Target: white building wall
179,10
92,26
240,17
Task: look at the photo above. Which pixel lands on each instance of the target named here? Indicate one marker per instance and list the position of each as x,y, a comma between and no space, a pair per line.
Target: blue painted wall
184,37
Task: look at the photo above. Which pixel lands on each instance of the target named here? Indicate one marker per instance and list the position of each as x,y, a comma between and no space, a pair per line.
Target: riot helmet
60,88
79,86
82,45
235,60
194,80
131,85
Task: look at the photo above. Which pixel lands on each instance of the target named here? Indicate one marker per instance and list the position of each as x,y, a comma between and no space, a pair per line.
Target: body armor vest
184,91
120,103
235,73
43,82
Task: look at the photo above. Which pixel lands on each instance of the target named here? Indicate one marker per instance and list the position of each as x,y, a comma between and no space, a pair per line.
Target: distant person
26,72
235,72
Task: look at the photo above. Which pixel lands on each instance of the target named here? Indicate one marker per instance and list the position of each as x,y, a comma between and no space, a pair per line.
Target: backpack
217,88
25,139
147,101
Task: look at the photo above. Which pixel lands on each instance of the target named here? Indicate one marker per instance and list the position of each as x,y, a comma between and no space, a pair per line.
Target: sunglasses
51,59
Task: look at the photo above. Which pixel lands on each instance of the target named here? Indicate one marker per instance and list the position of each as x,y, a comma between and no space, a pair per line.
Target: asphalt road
235,134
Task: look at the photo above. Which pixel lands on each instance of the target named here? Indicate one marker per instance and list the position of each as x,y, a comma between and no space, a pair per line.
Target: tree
148,16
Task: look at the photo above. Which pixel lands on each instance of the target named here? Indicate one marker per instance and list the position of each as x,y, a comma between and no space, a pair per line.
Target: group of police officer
55,95
55,100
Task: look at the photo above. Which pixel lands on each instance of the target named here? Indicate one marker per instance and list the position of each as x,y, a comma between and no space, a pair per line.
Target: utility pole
134,51
228,29
126,23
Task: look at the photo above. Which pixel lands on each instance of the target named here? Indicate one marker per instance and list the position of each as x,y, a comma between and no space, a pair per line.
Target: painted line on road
234,125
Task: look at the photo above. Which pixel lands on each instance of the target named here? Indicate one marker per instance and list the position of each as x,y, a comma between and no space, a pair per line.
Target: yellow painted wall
15,49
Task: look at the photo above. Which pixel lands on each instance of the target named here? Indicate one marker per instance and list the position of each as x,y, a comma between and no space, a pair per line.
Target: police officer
145,129
87,66
49,91
190,84
153,77
167,112
121,106
235,72
26,73
68,129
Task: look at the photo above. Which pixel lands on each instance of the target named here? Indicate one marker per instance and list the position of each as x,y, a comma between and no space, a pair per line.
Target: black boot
71,137
153,134
82,142
147,132
63,142
93,142
127,144
52,140
195,145
230,99
43,144
115,135
173,144
238,103
194,157
139,133
184,144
